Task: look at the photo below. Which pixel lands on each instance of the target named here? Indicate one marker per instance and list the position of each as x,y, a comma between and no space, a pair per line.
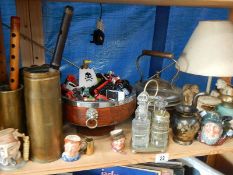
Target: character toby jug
10,155
212,129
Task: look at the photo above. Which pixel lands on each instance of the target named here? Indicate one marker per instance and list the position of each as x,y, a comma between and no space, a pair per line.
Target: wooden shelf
105,157
188,3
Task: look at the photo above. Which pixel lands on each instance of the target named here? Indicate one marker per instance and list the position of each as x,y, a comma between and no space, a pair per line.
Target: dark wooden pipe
57,56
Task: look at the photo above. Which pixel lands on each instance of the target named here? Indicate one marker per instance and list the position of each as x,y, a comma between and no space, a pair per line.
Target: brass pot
12,108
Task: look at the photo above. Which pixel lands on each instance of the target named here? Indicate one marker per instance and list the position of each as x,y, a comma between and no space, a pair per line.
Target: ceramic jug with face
212,129
9,147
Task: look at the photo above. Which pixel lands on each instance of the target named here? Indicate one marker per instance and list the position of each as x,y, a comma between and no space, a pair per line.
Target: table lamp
209,51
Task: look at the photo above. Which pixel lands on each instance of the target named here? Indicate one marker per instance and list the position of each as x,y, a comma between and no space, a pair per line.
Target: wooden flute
14,53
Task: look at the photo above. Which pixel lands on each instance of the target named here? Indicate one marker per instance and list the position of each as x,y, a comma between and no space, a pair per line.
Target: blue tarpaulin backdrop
128,30
182,22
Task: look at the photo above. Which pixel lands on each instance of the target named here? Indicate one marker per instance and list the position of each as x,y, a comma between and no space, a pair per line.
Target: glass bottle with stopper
160,125
141,123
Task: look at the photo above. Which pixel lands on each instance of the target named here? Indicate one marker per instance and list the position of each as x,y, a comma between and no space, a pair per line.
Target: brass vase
12,114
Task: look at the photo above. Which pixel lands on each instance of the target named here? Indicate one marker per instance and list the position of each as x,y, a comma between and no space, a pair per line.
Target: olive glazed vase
185,124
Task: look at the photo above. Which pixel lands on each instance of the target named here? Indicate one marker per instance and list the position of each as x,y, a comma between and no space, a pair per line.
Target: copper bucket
12,108
44,115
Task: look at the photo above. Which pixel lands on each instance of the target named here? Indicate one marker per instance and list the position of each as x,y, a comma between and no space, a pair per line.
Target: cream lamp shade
209,51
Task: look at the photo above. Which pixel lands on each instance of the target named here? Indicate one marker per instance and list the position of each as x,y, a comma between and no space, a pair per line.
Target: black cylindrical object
57,56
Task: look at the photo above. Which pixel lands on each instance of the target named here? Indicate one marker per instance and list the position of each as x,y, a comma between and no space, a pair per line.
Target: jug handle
194,103
17,134
161,55
26,146
26,143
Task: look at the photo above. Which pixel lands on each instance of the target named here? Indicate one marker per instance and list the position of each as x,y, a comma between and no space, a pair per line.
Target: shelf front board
105,157
188,3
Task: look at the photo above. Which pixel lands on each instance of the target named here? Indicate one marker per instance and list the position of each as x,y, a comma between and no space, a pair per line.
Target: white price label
163,157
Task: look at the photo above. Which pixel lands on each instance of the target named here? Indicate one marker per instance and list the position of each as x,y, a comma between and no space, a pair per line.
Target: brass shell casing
12,108
44,114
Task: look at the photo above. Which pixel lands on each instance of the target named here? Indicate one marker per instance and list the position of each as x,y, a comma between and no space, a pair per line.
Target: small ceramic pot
207,103
226,107
90,146
185,124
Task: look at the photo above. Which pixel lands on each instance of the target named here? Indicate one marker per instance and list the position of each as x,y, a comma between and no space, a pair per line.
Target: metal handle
156,54
89,123
195,98
152,98
157,86
91,118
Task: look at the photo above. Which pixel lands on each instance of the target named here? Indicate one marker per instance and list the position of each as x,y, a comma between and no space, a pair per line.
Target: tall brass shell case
44,116
12,108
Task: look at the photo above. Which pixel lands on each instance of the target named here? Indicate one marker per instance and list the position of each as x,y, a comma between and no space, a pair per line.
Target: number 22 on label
163,157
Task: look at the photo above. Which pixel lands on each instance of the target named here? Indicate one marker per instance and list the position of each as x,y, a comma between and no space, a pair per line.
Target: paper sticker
163,157
87,78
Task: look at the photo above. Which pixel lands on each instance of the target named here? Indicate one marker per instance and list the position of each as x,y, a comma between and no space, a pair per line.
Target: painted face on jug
9,152
211,133
118,144
3,153
72,149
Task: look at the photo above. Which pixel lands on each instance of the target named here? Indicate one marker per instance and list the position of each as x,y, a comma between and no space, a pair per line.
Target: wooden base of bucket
100,131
